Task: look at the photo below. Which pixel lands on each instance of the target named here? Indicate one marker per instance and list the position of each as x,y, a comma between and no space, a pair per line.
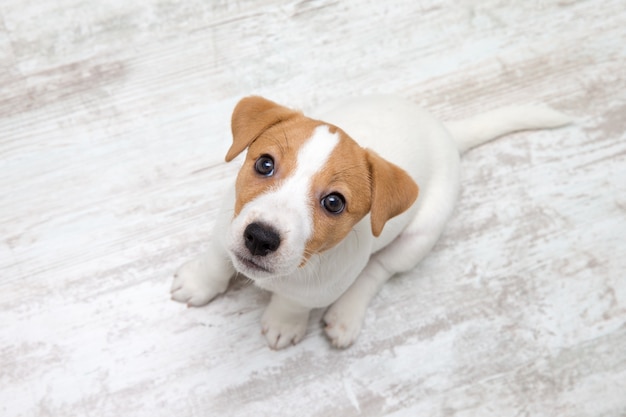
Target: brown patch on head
346,172
266,128
368,183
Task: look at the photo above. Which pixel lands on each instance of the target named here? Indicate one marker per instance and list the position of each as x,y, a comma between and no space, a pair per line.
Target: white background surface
114,120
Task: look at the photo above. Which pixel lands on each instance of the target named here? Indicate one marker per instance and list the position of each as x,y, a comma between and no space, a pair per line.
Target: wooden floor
114,120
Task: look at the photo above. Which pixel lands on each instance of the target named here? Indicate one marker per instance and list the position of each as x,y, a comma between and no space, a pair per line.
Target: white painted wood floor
114,120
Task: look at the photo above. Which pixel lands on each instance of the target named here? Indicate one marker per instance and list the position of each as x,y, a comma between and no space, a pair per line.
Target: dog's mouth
252,266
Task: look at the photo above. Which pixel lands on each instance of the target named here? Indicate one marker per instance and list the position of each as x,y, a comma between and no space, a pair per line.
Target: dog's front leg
344,318
200,280
284,322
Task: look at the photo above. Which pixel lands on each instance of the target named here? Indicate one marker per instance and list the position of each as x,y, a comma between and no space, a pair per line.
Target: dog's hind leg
344,318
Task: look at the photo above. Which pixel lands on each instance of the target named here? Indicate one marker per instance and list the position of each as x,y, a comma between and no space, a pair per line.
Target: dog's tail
477,130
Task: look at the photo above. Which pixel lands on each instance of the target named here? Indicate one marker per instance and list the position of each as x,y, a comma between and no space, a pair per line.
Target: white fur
351,273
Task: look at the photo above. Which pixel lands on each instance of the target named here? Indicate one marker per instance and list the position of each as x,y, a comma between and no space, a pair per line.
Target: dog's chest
328,274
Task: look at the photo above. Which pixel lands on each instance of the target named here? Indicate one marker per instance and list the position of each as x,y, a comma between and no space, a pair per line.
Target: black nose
261,240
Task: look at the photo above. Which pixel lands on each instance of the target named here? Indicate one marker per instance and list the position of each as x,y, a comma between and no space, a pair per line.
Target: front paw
343,323
196,283
282,330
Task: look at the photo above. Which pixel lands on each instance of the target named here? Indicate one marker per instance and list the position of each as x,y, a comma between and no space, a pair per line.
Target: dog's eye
264,165
334,203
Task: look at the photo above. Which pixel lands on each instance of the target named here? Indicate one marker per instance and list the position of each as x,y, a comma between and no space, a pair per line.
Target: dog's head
303,186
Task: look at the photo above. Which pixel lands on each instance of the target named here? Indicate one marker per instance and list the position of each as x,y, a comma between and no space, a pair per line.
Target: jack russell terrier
325,210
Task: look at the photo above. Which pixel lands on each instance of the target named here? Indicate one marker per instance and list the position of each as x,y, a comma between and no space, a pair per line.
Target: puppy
326,209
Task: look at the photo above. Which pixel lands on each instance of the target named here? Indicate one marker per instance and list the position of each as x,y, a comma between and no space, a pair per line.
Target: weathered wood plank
113,126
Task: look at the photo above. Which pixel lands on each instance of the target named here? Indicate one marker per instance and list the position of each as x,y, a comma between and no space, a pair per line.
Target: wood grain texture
114,119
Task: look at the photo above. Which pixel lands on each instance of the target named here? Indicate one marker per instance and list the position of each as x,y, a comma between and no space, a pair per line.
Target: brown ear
251,117
393,191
